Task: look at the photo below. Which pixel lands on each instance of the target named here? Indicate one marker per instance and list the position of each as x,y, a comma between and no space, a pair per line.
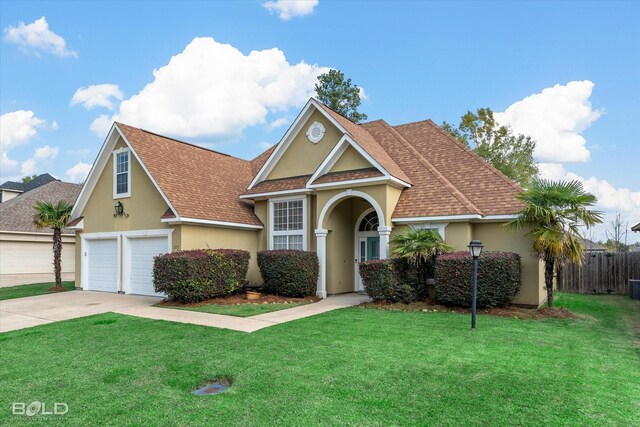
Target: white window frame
117,195
273,233
439,226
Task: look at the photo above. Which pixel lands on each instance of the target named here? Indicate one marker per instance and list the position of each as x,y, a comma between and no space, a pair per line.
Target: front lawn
355,366
240,310
32,290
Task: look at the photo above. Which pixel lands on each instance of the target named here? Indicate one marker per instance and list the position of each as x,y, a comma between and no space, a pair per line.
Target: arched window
369,222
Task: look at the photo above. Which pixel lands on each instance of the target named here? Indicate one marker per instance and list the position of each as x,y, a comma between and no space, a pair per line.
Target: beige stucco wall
8,195
350,160
197,237
458,235
381,193
145,206
496,237
302,156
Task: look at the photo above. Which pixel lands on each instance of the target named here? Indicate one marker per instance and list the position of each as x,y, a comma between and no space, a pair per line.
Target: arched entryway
346,221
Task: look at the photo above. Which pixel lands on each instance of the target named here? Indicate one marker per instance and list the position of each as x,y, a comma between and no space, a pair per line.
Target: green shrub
498,279
195,275
383,281
289,273
240,259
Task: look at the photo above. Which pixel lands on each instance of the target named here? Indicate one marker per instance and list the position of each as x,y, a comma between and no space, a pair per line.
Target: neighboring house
329,186
11,189
636,228
25,249
591,246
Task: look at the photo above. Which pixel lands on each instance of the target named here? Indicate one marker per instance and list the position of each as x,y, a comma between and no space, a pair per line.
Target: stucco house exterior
25,250
329,186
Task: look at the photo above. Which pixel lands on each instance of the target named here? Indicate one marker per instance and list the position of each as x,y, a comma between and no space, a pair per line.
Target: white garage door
102,265
140,265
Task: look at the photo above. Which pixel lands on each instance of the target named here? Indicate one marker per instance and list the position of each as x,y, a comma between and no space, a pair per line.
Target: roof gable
354,134
196,183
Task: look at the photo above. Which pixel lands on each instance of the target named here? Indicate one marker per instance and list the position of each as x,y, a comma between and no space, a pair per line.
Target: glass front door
368,249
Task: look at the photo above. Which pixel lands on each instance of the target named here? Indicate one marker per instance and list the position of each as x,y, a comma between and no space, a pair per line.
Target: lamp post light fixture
475,248
119,208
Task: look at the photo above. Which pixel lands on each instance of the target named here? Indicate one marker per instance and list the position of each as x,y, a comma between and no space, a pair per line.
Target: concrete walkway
22,313
8,280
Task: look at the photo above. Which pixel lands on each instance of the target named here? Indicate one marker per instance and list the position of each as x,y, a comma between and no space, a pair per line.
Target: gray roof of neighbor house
36,182
591,246
17,214
635,227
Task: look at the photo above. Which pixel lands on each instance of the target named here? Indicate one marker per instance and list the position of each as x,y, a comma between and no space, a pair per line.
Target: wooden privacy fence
601,273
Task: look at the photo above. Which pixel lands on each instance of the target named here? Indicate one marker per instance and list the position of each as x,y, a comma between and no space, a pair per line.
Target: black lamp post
475,248
119,208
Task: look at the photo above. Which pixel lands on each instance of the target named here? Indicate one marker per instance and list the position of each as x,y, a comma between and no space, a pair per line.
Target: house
11,189
636,228
329,186
590,246
23,248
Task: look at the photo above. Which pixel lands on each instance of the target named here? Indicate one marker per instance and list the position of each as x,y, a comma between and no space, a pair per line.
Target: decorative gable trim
345,142
98,168
282,146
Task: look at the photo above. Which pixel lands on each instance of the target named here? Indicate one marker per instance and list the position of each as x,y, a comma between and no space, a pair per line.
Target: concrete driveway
26,312
22,313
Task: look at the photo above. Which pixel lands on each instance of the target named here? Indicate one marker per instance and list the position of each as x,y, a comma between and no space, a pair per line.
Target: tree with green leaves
510,153
54,216
553,211
29,178
339,94
421,247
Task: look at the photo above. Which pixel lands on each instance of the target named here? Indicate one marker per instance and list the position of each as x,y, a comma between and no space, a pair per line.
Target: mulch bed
242,299
509,311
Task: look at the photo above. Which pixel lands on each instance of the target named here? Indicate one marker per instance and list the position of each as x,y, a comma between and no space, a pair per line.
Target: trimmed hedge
240,259
289,273
390,280
194,275
499,278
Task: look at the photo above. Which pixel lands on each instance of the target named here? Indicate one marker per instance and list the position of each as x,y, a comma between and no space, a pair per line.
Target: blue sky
415,60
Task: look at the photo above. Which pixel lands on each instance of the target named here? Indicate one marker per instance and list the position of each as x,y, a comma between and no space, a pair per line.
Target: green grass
239,310
354,366
31,290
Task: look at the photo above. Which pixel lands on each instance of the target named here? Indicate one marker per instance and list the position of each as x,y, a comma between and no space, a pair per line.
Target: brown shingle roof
369,144
479,182
17,214
258,162
348,175
281,184
199,183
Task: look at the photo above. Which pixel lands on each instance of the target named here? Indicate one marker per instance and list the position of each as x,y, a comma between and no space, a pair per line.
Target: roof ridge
477,157
455,192
183,142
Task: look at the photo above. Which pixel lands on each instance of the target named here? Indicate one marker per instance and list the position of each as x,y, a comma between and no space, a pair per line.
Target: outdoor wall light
119,207
475,249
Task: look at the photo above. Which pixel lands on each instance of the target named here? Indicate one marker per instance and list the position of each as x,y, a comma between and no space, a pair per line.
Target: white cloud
97,96
54,125
42,157
17,128
101,125
213,89
79,172
555,118
287,9
363,94
265,145
279,122
37,37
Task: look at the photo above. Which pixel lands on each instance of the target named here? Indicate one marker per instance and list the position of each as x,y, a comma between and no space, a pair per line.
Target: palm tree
54,216
421,247
552,213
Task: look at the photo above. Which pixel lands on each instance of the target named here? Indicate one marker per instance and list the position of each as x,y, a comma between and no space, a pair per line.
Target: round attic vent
315,132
